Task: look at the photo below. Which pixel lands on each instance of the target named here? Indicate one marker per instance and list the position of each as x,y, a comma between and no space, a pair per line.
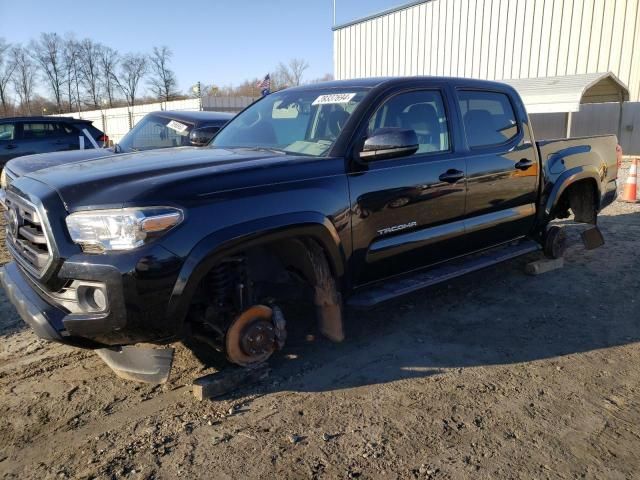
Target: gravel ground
494,375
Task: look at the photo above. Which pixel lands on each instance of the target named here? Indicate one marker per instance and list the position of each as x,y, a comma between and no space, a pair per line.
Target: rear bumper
610,194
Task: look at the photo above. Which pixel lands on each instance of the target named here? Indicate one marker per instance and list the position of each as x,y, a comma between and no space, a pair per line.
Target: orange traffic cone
630,193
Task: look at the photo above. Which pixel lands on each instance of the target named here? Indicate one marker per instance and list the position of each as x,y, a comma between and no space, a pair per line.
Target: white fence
116,122
594,119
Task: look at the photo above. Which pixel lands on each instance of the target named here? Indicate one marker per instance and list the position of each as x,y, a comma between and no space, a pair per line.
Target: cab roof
194,117
374,82
40,118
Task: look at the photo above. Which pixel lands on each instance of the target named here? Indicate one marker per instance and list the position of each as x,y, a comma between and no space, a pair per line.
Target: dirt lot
496,375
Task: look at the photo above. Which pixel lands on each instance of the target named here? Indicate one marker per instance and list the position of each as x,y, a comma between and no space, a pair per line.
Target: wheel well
279,271
582,199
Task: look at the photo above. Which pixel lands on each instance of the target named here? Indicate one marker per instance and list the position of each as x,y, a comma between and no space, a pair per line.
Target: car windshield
305,122
154,132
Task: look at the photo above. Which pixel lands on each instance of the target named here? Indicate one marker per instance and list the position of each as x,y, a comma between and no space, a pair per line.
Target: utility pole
334,13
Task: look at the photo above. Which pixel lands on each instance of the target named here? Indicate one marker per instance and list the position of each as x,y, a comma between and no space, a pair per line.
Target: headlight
122,229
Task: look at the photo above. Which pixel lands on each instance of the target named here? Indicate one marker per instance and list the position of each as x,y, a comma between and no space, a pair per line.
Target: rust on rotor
254,335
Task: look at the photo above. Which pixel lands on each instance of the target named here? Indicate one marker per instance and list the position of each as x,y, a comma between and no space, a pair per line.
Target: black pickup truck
345,193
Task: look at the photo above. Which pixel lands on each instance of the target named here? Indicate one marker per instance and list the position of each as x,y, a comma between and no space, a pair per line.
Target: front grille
26,236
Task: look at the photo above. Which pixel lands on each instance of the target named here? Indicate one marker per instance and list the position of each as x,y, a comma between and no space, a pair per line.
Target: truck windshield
305,122
154,132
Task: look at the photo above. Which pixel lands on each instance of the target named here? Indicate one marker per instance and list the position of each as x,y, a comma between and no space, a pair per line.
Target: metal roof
380,14
566,93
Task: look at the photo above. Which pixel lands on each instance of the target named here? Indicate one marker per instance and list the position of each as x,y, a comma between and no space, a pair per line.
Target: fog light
92,298
99,299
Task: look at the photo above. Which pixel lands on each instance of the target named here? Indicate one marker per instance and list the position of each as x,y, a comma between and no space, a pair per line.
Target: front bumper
51,322
134,363
38,314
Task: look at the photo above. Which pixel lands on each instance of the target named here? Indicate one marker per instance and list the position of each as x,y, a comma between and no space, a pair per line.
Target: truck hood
181,175
30,163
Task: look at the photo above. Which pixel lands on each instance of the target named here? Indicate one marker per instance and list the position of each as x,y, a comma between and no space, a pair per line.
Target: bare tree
89,52
108,59
132,68
327,77
71,64
48,52
290,75
163,80
7,67
24,78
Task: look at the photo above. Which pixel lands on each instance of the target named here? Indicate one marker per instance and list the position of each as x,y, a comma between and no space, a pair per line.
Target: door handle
11,146
524,164
451,176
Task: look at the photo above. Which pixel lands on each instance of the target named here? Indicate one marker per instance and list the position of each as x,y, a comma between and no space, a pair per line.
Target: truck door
502,168
407,211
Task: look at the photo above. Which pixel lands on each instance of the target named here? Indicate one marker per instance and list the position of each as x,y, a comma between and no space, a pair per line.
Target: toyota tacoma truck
343,194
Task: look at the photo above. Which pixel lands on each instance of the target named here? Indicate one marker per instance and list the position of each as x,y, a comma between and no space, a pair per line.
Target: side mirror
199,137
389,143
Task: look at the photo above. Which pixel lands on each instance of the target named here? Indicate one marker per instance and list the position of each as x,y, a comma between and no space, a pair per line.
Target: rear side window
7,131
69,129
421,111
35,130
488,118
82,126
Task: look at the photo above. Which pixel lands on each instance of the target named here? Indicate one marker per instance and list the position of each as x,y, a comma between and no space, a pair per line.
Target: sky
221,42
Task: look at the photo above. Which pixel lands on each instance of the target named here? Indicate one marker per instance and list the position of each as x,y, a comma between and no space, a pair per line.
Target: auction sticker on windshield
333,98
177,126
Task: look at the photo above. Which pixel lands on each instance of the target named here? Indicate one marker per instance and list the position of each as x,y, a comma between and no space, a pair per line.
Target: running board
381,292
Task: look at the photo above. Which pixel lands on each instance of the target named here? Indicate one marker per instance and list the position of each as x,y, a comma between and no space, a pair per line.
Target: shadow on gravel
493,317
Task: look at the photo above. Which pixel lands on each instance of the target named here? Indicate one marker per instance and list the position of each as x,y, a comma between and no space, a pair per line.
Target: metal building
494,39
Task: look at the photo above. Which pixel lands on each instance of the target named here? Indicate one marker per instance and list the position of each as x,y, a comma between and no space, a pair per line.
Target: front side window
488,117
7,131
305,122
421,111
153,132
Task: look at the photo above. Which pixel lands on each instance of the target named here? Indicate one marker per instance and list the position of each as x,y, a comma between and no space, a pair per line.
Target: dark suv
27,135
155,130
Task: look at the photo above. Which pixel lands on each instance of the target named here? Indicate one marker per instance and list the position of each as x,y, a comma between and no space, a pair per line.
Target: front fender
224,242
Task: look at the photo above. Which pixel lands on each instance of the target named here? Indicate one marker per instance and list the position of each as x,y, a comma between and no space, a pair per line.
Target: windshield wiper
267,149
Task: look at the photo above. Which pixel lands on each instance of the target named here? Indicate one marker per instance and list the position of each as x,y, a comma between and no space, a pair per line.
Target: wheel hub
258,338
254,335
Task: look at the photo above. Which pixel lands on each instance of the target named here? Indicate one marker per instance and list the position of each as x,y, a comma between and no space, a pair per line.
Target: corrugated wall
495,39
594,119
